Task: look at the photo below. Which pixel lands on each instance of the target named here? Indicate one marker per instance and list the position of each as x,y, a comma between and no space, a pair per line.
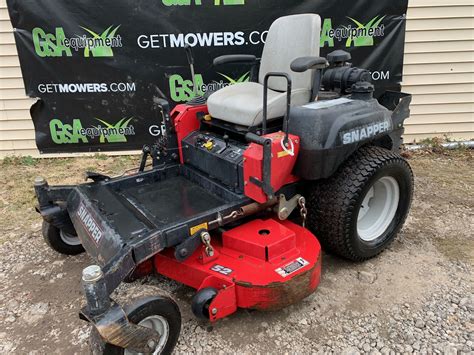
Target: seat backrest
288,38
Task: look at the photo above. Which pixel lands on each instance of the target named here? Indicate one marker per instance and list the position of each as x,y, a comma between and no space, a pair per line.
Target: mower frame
119,254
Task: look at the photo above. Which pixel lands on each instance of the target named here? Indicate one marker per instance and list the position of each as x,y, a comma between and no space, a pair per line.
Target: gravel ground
415,297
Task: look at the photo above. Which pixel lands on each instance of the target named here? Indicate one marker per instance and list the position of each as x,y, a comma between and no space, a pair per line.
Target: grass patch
99,156
17,196
19,161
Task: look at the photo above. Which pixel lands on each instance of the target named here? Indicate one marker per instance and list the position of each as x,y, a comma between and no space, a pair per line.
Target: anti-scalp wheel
201,301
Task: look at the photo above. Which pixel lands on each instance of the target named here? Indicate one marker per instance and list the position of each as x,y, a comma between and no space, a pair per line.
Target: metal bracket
154,152
266,183
94,176
189,246
109,318
114,328
285,207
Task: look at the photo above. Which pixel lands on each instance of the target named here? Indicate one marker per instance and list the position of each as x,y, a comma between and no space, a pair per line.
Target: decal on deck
292,267
196,229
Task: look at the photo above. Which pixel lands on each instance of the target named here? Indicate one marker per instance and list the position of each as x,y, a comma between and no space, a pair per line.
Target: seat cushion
242,103
288,38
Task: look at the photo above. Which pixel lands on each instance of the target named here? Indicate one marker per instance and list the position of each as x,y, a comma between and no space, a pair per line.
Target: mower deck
156,215
264,265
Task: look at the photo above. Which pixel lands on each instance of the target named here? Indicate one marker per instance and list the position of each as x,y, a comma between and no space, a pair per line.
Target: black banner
98,67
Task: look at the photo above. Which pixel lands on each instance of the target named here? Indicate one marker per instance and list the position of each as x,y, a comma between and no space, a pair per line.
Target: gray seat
289,38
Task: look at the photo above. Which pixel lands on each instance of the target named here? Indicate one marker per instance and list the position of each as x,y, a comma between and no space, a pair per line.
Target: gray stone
36,312
303,321
419,323
367,277
12,305
450,349
350,351
416,345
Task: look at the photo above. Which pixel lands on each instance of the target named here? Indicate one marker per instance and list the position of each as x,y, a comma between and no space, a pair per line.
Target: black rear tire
60,241
334,203
136,312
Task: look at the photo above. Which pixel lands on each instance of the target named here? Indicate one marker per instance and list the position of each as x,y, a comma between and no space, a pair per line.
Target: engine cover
330,131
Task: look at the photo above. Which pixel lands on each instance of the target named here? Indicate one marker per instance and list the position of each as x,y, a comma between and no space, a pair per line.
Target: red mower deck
263,264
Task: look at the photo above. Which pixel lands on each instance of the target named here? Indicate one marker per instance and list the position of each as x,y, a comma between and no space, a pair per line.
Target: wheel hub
161,326
69,239
378,208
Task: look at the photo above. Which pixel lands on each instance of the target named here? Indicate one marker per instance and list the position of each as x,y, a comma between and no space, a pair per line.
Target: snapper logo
89,223
362,133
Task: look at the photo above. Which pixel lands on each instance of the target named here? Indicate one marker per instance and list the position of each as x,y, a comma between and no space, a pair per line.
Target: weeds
435,145
99,156
19,161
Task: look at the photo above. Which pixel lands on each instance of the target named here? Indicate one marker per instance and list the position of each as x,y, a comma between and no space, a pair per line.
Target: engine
341,75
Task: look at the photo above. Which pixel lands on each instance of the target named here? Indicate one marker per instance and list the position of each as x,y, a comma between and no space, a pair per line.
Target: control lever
190,57
226,140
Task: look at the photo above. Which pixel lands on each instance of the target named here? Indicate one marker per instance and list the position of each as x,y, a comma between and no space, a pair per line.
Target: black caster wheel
60,240
201,301
159,313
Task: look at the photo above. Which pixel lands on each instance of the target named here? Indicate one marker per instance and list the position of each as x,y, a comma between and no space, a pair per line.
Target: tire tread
332,200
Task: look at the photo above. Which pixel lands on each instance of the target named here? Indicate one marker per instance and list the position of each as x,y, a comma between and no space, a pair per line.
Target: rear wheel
358,212
60,240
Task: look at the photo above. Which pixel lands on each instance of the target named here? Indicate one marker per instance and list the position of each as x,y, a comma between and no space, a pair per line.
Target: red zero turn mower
243,182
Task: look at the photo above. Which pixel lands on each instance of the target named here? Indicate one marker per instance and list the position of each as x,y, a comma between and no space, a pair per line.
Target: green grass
19,161
100,156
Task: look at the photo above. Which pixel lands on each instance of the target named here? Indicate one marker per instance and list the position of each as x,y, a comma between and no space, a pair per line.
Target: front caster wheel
201,302
60,240
159,313
358,211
